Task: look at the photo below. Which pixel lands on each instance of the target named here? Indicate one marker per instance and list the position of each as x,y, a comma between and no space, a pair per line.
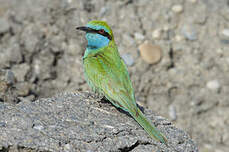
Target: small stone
189,32
22,88
128,39
225,32
150,53
128,59
3,87
38,127
27,98
2,124
177,8
179,38
10,78
193,1
4,25
166,28
139,36
67,147
103,11
219,51
172,112
156,34
213,85
20,71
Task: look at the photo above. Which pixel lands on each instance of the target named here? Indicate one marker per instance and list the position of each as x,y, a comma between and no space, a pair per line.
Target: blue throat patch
95,41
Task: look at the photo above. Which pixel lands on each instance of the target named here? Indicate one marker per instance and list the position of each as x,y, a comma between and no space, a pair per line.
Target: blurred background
177,54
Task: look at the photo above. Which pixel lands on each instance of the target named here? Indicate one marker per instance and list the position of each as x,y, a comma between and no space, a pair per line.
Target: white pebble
213,85
225,32
138,36
39,127
128,59
179,38
67,147
193,1
172,112
177,8
156,34
189,32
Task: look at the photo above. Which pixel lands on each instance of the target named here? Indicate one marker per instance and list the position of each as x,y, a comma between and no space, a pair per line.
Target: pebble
10,78
177,8
172,112
156,34
189,32
67,147
23,88
103,11
128,39
128,59
225,32
4,25
179,38
150,53
20,71
2,124
139,36
193,1
38,127
213,85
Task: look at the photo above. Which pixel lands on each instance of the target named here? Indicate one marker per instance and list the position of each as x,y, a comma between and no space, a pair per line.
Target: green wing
107,73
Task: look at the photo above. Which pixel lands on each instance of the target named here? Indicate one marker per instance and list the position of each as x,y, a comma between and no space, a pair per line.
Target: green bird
106,73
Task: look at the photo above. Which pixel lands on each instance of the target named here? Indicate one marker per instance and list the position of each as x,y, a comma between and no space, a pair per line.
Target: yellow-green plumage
106,73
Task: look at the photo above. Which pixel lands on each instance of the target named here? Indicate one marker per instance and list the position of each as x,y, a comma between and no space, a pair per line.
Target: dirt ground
41,55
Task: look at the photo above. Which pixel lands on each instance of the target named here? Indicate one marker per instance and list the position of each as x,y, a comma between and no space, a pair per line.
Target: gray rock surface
81,122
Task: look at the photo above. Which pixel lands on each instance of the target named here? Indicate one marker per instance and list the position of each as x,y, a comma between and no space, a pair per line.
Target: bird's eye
101,31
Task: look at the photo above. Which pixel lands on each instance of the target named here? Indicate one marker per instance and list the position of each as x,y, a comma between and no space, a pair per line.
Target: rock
30,37
76,122
172,112
178,38
103,11
20,71
193,1
225,32
156,34
43,64
9,55
128,59
7,82
139,36
128,39
9,77
4,25
150,53
189,32
23,88
177,8
213,85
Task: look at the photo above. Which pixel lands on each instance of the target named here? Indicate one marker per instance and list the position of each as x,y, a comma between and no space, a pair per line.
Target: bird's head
98,34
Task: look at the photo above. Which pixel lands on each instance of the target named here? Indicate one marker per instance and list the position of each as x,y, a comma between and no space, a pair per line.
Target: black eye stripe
105,34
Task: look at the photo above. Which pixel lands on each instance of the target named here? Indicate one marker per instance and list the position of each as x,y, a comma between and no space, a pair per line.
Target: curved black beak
86,29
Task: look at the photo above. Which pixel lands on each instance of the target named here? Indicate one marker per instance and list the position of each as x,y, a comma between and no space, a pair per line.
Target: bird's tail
148,127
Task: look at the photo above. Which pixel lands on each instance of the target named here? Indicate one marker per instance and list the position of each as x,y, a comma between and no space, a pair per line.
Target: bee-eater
106,73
